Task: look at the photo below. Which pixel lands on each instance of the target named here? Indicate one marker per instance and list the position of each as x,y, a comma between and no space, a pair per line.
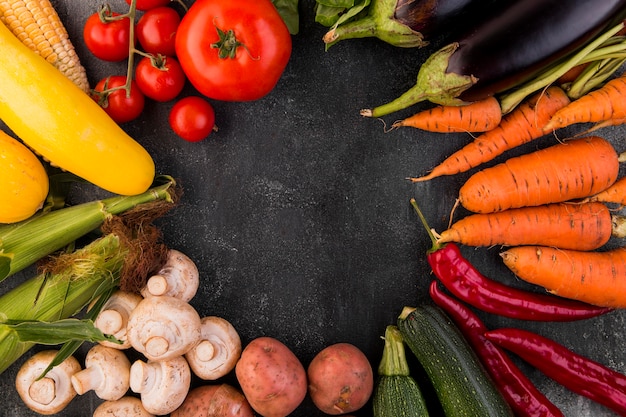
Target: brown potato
220,400
271,377
341,379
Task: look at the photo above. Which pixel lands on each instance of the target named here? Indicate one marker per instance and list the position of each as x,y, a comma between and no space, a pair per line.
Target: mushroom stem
205,351
107,373
113,318
162,385
42,391
162,327
217,352
157,346
110,321
52,393
179,278
88,379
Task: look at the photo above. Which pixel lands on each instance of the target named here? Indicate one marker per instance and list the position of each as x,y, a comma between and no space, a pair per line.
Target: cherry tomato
156,30
160,78
120,108
107,39
149,4
233,50
192,118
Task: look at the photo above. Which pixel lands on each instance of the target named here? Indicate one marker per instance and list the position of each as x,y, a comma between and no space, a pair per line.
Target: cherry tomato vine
174,50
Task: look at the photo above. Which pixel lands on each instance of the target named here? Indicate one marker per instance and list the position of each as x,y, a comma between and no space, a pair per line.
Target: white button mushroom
124,407
52,393
162,385
162,327
178,278
218,350
107,373
113,318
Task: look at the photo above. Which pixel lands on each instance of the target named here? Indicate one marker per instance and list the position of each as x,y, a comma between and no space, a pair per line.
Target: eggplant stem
433,84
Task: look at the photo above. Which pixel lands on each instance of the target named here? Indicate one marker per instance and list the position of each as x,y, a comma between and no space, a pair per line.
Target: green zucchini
396,394
462,384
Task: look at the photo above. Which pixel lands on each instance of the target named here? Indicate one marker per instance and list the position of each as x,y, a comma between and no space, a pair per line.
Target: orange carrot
572,74
616,193
522,125
479,116
585,226
607,102
570,170
597,278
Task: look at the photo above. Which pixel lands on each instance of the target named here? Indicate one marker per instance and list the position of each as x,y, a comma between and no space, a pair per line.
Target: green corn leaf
23,243
57,332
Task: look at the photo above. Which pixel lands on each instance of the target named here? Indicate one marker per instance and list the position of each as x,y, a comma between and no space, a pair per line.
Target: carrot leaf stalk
594,76
510,100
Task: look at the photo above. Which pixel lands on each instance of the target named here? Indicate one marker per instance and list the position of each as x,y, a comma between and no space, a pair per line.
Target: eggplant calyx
433,84
380,22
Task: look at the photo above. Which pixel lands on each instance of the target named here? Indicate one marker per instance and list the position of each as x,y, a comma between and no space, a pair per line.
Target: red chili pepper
521,394
463,280
575,372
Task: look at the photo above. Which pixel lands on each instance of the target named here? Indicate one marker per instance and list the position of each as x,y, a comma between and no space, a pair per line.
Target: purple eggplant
506,49
410,23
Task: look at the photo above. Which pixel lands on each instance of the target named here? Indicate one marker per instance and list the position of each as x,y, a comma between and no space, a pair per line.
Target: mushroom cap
127,406
179,278
52,393
218,350
163,327
162,385
107,373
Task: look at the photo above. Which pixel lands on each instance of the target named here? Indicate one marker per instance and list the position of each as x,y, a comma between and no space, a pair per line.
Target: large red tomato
233,50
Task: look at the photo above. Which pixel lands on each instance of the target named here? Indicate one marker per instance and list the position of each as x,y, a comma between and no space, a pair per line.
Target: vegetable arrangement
536,204
474,371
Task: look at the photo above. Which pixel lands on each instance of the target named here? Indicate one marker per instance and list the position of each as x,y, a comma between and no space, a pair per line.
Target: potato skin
271,377
221,400
341,379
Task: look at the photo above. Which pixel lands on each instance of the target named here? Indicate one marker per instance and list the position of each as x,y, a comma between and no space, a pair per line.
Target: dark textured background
297,211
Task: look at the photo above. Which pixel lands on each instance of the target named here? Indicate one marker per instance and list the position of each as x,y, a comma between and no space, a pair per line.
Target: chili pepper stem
431,232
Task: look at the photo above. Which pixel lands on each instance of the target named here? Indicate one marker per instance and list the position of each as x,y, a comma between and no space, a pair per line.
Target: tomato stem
228,44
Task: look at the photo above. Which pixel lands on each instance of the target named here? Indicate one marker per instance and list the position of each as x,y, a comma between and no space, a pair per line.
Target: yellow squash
23,181
63,124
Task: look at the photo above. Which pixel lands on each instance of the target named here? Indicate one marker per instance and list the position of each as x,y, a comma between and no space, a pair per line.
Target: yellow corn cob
37,24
